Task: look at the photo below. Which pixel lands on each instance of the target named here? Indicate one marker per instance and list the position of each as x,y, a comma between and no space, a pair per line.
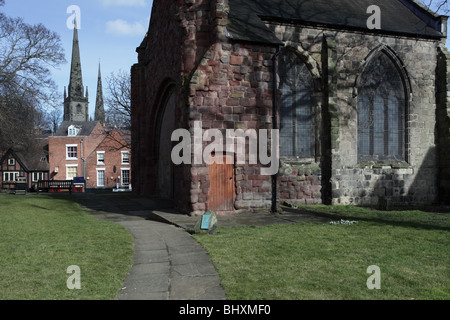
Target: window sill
301,165
384,164
294,160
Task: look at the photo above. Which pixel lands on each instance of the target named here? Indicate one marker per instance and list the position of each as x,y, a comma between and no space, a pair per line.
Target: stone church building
358,93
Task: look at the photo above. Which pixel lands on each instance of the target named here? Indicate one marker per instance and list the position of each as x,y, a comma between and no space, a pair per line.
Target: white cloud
128,3
123,28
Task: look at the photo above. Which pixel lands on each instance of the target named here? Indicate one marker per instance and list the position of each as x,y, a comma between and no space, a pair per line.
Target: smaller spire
99,106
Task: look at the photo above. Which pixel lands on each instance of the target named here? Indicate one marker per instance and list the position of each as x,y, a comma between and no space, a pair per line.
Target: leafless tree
27,52
53,119
118,100
439,6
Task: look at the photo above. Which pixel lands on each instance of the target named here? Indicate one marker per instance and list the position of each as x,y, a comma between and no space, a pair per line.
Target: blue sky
110,32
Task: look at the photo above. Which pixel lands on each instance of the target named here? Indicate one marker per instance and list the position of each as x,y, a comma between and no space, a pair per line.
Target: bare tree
438,6
27,52
54,116
118,100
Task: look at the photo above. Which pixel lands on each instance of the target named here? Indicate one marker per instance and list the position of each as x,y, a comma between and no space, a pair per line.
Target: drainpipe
275,125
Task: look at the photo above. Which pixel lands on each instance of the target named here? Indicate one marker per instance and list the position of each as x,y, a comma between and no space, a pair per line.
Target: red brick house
92,151
109,164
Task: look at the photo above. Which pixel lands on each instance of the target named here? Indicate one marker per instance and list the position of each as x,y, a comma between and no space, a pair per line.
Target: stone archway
165,164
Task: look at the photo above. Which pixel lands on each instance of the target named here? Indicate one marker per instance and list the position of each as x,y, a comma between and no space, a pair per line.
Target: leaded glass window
381,112
296,128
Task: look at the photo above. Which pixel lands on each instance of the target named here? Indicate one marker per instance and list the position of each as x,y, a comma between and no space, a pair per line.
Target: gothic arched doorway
165,164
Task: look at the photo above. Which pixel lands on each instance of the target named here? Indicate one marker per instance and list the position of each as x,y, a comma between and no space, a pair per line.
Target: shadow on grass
40,207
411,218
119,203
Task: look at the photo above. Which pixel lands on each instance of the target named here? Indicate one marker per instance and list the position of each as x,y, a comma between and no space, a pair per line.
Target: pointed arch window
296,127
381,111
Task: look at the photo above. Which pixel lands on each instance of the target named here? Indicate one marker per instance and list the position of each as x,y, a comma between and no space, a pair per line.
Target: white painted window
10,176
125,157
11,162
125,176
100,177
71,152
100,158
37,176
71,172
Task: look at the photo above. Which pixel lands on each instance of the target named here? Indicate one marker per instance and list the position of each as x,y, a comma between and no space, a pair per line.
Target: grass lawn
319,261
41,236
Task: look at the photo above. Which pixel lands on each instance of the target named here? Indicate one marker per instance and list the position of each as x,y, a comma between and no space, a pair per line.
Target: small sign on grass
206,218
208,222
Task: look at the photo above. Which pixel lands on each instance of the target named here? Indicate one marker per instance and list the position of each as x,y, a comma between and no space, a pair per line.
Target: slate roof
86,128
397,17
36,160
33,158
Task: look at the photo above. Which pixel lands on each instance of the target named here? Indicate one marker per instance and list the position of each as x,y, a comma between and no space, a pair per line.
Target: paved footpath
168,264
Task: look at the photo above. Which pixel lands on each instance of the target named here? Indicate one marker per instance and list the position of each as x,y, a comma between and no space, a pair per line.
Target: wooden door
221,185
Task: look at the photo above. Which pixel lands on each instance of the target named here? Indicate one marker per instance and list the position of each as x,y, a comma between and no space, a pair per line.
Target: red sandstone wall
179,36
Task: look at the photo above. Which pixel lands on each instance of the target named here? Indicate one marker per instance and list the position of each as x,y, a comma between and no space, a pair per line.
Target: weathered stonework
443,123
191,70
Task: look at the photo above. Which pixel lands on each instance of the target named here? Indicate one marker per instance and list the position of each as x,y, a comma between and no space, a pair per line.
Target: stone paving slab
150,256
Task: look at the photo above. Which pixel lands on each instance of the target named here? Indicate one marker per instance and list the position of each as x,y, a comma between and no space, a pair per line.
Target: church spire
76,104
76,79
99,106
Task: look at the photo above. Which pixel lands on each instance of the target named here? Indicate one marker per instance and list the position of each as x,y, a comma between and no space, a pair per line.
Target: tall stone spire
99,106
76,104
76,78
